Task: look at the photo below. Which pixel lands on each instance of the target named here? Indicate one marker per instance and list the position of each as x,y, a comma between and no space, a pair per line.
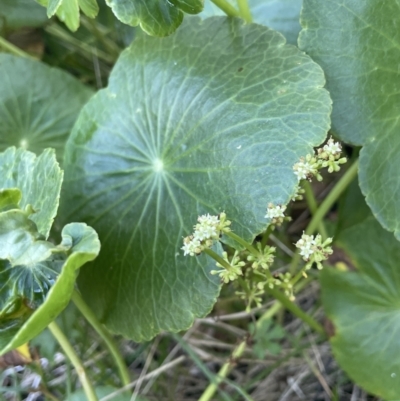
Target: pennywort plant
187,164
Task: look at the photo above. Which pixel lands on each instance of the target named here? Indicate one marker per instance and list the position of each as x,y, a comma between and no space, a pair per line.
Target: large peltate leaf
38,104
364,306
210,119
21,13
156,17
38,180
356,42
281,15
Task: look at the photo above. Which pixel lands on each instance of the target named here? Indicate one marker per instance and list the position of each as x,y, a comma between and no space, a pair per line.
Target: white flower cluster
313,250
206,231
306,245
306,168
332,148
276,214
326,157
264,259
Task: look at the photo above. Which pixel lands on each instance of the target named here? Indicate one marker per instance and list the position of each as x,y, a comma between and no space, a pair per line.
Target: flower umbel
232,272
206,231
329,156
313,250
276,213
326,157
264,259
307,168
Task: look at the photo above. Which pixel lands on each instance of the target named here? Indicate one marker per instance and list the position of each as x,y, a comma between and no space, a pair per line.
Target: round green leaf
352,208
365,309
21,13
380,181
356,43
281,15
39,181
38,104
210,119
37,287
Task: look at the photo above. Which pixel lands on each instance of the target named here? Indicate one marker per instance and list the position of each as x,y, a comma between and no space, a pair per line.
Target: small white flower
332,148
208,219
206,227
306,168
275,211
203,232
306,245
191,246
206,231
313,250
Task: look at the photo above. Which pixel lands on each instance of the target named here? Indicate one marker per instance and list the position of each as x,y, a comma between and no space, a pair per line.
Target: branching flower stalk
251,269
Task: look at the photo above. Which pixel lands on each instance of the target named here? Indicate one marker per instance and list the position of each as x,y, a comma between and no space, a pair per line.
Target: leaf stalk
244,10
237,353
76,362
10,48
292,307
105,335
242,242
227,8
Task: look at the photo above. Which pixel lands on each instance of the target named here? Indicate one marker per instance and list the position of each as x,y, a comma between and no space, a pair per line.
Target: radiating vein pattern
210,119
38,104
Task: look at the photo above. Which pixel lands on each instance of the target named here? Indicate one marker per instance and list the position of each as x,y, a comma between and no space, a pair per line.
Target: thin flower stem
244,10
313,206
9,47
76,362
84,49
266,235
292,307
105,335
325,206
298,276
241,241
93,27
237,353
223,373
227,8
218,258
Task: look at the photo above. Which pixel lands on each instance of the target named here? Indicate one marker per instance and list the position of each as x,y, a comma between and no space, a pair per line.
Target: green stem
244,10
92,27
326,205
223,373
105,335
313,206
302,273
76,362
84,48
237,353
227,8
9,47
218,258
292,307
241,241
266,235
